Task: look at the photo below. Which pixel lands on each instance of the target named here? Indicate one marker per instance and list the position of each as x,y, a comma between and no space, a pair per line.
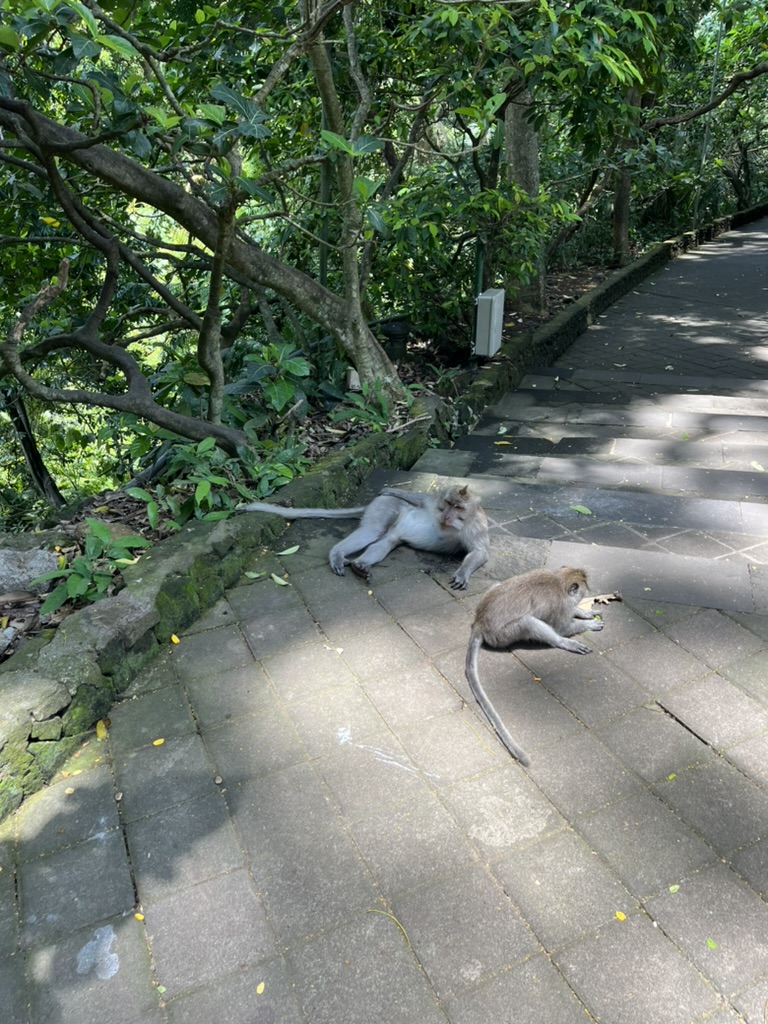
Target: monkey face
451,515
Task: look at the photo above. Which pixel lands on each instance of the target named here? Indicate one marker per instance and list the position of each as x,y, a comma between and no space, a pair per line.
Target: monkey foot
363,571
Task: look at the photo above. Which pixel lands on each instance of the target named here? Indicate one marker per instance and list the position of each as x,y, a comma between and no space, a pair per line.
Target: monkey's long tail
482,698
303,513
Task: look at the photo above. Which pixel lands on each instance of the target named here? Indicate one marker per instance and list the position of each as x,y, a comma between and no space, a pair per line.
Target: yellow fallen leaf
620,916
175,639
259,988
158,743
502,442
102,730
69,791
139,917
51,222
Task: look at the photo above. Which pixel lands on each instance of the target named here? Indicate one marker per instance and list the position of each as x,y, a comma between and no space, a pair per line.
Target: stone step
611,379
549,511
714,451
531,403
663,578
625,476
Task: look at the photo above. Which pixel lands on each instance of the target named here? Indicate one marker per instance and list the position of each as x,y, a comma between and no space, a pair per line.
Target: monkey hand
458,582
595,625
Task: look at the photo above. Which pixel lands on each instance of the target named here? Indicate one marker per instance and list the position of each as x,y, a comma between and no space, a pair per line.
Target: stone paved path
330,834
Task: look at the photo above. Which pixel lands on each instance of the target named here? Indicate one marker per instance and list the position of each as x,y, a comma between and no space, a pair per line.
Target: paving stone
140,720
339,716
227,912
716,711
181,847
501,810
9,920
421,693
377,773
308,872
436,633
157,778
463,928
254,745
451,747
720,924
751,675
534,989
382,652
752,1001
724,807
414,594
57,894
592,688
14,989
645,843
630,973
155,676
562,888
581,774
410,844
339,605
207,655
714,638
54,818
752,864
106,966
652,743
383,981
272,634
240,997
308,671
751,758
657,663
238,691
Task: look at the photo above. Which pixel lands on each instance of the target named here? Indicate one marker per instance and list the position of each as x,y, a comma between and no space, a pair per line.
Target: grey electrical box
490,321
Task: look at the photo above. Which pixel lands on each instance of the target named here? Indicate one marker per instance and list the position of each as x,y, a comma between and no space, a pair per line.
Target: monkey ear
463,492
573,588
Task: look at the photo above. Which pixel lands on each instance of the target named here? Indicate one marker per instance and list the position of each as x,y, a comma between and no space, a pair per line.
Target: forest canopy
212,213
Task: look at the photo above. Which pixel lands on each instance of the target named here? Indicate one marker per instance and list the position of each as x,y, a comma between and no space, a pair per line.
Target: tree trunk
42,480
521,144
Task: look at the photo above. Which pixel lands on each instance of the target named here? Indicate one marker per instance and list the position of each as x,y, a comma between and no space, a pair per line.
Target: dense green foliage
209,209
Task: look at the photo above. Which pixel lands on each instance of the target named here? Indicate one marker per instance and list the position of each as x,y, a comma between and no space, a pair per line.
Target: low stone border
54,690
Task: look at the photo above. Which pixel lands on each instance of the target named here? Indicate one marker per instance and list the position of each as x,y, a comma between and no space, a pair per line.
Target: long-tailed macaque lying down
448,523
539,605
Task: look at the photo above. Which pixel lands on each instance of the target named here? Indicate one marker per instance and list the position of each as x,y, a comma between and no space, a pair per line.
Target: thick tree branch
738,80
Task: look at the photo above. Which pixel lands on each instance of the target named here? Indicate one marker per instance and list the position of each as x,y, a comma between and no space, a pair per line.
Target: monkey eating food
450,522
540,605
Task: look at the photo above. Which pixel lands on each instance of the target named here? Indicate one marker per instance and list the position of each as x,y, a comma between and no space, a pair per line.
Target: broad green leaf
86,15
279,580
55,599
581,509
202,491
366,144
205,445
213,112
8,38
289,551
119,45
99,529
334,141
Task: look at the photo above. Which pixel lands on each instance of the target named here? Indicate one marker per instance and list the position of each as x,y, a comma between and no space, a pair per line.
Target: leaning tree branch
736,82
137,399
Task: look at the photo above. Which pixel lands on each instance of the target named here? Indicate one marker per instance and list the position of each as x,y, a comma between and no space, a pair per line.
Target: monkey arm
473,560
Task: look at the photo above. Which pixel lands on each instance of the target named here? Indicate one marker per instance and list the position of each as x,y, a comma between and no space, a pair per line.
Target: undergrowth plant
90,575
